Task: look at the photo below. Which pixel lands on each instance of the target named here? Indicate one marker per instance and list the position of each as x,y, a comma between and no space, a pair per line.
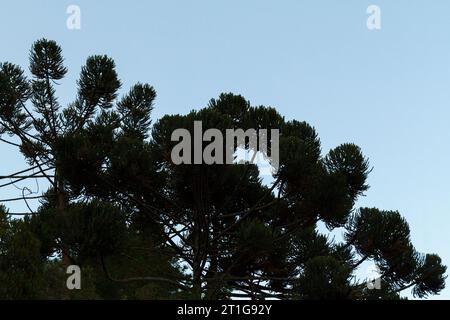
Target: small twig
22,198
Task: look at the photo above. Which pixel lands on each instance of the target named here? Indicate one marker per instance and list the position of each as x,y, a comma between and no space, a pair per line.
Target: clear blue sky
387,90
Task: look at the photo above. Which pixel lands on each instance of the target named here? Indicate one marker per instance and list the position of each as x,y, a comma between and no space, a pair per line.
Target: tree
148,228
79,230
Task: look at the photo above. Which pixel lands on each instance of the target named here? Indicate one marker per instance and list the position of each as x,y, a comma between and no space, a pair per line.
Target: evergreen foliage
141,227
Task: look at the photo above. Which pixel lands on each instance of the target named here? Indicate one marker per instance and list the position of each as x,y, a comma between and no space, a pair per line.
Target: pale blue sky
387,91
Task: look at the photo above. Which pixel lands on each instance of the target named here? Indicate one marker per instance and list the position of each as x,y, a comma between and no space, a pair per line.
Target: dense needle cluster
141,227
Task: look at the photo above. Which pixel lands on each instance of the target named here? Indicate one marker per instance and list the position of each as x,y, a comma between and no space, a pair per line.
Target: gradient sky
387,90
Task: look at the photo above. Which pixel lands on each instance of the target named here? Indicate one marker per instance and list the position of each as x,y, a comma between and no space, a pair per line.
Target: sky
386,90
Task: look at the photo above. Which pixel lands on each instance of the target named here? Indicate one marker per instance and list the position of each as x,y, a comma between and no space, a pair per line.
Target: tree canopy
142,227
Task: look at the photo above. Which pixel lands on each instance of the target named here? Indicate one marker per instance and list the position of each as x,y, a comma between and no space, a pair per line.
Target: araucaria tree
141,226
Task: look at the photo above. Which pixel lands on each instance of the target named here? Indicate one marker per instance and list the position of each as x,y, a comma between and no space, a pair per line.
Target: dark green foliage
46,60
135,109
378,234
348,161
324,277
98,82
430,276
21,266
141,227
91,230
14,91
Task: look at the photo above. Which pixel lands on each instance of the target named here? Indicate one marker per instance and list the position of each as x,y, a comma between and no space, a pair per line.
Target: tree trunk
61,202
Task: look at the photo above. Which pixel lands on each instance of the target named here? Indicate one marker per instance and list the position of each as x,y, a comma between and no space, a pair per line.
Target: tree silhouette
143,227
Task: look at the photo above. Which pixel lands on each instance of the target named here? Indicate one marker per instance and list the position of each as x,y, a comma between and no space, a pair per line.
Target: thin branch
29,176
21,134
405,287
20,213
25,200
28,112
21,198
23,178
29,169
10,143
250,210
133,279
356,265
